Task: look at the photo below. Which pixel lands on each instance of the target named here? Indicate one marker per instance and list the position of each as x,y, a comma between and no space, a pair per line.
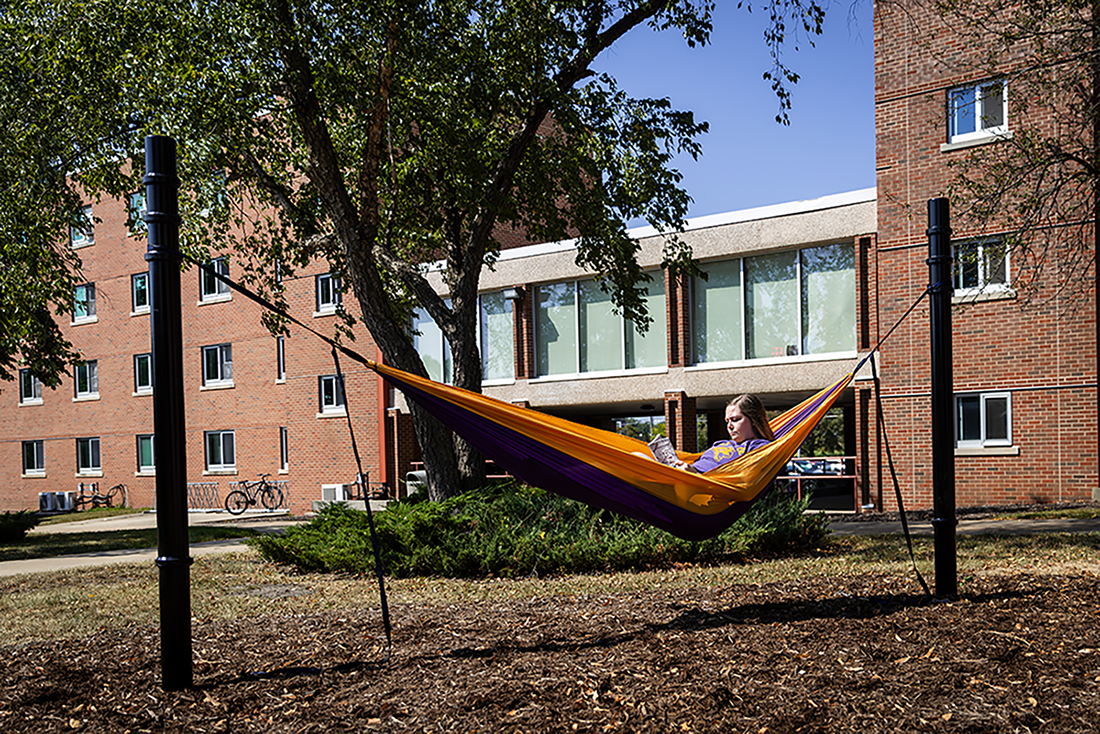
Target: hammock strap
336,348
894,474
362,479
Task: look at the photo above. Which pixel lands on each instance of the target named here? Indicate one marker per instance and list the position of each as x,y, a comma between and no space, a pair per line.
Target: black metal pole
943,400
173,550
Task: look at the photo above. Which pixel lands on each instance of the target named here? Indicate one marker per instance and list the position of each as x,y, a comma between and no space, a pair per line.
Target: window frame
135,306
982,261
89,300
984,398
135,212
334,403
94,456
212,289
223,467
39,453
152,467
284,450
280,358
224,377
980,132
139,387
90,368
79,238
30,388
329,297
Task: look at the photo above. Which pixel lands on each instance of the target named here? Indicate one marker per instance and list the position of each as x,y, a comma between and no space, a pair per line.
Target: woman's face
738,425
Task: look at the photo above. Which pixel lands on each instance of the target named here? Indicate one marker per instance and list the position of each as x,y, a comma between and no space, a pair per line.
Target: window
497,340
284,452
87,455
86,377
429,343
217,365
280,358
84,303
210,287
775,306
30,388
981,266
977,111
143,373
139,292
331,394
34,458
146,462
329,297
983,419
577,330
82,234
135,212
220,454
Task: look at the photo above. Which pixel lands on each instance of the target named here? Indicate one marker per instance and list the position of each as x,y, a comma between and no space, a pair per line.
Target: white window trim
139,310
79,397
284,450
981,135
280,360
141,389
33,399
327,308
221,382
984,443
96,471
145,470
218,468
218,296
984,291
90,318
337,410
33,473
89,240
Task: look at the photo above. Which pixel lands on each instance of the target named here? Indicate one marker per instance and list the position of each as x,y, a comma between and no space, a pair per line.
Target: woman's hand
684,465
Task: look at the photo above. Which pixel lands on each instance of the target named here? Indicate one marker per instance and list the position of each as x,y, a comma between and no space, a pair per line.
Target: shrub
14,525
511,529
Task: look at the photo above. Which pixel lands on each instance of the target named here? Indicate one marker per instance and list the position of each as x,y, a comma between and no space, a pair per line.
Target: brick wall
1043,351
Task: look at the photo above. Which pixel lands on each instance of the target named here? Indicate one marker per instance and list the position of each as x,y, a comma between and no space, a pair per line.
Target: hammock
612,471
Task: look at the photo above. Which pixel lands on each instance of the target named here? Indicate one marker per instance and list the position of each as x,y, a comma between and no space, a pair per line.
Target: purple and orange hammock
612,471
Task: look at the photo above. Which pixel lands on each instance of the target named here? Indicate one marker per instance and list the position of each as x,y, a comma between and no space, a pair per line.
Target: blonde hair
751,407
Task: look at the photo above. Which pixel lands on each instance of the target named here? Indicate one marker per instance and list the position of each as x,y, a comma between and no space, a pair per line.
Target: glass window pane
650,349
961,112
556,332
993,110
228,448
497,348
993,254
141,291
145,452
429,344
771,305
970,419
828,299
966,265
996,419
601,331
716,313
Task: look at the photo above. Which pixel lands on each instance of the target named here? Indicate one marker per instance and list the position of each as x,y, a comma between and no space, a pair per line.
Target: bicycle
97,499
247,494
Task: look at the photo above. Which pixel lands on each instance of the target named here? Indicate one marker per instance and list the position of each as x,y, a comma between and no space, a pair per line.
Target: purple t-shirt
725,451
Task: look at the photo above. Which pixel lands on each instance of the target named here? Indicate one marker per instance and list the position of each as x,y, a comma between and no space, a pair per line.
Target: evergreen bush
14,525
511,529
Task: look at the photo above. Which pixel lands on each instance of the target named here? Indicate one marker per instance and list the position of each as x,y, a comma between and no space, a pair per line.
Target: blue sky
749,159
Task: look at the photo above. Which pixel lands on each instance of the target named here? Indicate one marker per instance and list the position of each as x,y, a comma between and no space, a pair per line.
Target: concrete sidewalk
970,527
259,520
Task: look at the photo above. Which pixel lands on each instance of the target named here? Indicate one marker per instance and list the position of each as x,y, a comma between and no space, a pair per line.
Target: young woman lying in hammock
747,423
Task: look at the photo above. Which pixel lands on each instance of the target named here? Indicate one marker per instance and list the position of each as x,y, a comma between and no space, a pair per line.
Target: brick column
523,334
680,420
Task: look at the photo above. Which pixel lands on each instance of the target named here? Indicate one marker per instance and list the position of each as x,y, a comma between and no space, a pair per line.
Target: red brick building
1025,374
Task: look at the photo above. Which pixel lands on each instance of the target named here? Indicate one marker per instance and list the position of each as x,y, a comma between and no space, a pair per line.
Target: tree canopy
375,135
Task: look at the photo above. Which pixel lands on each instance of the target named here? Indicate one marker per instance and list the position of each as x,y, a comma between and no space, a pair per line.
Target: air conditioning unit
47,501
65,501
415,481
333,493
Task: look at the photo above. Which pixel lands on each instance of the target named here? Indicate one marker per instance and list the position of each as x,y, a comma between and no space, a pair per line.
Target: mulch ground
868,654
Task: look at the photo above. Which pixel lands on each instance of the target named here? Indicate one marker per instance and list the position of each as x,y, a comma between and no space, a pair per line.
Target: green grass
92,513
49,545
